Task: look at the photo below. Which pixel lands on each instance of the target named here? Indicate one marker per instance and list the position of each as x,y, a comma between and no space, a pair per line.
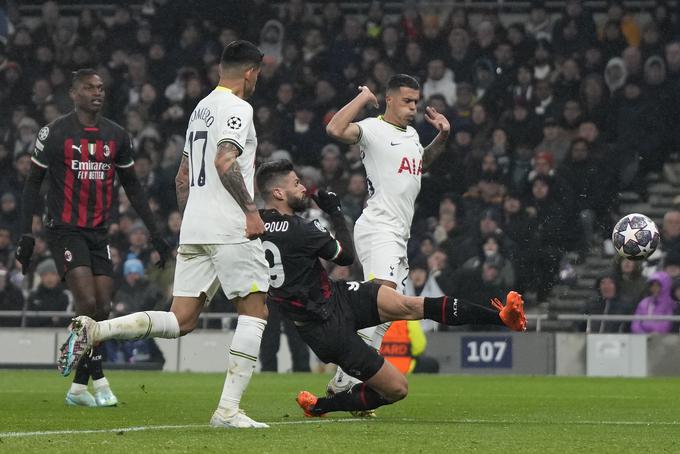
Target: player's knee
186,324
87,306
398,390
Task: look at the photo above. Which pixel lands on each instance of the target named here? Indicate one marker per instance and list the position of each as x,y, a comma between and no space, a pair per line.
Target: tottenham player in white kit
394,161
219,237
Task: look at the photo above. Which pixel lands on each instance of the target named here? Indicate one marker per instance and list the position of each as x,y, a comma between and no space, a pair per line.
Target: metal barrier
25,315
228,316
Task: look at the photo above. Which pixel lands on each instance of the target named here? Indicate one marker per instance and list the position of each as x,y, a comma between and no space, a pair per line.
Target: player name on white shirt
212,216
393,158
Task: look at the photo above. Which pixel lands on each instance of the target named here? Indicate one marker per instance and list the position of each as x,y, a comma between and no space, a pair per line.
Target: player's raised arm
232,180
435,148
343,254
341,127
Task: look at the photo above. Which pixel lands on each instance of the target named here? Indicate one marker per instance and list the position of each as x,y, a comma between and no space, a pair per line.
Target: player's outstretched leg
85,332
452,311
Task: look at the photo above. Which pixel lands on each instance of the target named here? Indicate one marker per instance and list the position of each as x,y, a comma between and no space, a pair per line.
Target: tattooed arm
182,184
232,180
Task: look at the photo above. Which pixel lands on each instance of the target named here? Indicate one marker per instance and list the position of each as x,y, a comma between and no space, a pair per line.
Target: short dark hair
241,53
269,172
402,80
80,74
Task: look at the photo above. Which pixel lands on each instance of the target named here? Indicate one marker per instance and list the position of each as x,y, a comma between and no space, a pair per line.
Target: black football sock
359,397
83,371
96,370
456,311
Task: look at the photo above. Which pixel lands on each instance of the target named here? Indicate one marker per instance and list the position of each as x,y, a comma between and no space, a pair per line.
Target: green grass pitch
162,412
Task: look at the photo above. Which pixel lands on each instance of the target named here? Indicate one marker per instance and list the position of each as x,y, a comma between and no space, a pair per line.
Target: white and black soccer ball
635,236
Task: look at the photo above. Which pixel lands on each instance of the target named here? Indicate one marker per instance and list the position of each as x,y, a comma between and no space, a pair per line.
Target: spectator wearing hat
139,247
657,302
50,295
137,293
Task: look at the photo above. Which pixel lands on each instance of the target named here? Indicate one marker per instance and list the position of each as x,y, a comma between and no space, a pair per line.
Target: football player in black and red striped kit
82,152
328,313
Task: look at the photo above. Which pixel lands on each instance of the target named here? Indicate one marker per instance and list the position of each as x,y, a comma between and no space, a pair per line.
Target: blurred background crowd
554,112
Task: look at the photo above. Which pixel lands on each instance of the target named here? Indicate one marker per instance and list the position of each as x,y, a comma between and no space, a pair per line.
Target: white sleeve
235,124
365,134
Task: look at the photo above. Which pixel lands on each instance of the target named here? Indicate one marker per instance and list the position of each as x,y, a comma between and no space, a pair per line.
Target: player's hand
24,252
329,202
369,97
254,225
437,120
163,248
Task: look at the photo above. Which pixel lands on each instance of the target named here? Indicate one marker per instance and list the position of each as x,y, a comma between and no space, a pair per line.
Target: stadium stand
564,118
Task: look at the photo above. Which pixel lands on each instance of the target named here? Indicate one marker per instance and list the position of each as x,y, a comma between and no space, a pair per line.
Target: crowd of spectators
553,113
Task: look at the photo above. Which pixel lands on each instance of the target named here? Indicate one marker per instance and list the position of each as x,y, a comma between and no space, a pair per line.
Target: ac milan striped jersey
82,163
298,283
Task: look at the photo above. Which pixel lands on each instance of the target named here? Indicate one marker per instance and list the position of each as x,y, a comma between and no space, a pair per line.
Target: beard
297,204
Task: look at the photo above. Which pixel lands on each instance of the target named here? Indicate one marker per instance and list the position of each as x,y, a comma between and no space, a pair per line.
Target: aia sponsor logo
410,166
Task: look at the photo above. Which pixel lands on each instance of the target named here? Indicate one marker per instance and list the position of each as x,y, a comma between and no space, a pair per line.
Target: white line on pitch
327,421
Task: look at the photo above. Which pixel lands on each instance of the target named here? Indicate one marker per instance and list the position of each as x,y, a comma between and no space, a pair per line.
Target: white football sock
243,353
77,388
100,383
378,334
139,325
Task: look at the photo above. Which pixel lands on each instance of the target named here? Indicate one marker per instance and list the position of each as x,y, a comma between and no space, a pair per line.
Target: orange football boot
512,313
307,401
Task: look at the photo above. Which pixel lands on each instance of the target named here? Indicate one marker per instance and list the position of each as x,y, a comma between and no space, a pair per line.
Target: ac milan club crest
67,255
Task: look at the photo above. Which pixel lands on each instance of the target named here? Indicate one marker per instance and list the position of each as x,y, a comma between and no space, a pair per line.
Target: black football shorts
74,247
335,340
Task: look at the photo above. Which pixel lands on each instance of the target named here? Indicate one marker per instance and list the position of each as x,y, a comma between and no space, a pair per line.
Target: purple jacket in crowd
662,304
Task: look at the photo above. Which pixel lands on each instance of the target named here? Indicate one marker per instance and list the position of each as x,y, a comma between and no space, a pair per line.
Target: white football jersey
212,216
393,158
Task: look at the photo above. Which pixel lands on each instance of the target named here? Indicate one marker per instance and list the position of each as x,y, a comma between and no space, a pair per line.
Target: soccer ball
635,237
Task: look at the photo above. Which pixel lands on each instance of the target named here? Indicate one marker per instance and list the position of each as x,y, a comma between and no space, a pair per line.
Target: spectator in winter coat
659,302
608,302
49,296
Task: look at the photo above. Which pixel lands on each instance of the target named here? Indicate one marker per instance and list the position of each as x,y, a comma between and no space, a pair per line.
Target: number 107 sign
486,351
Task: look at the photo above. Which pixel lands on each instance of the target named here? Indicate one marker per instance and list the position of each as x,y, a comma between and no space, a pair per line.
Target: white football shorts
382,254
241,269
